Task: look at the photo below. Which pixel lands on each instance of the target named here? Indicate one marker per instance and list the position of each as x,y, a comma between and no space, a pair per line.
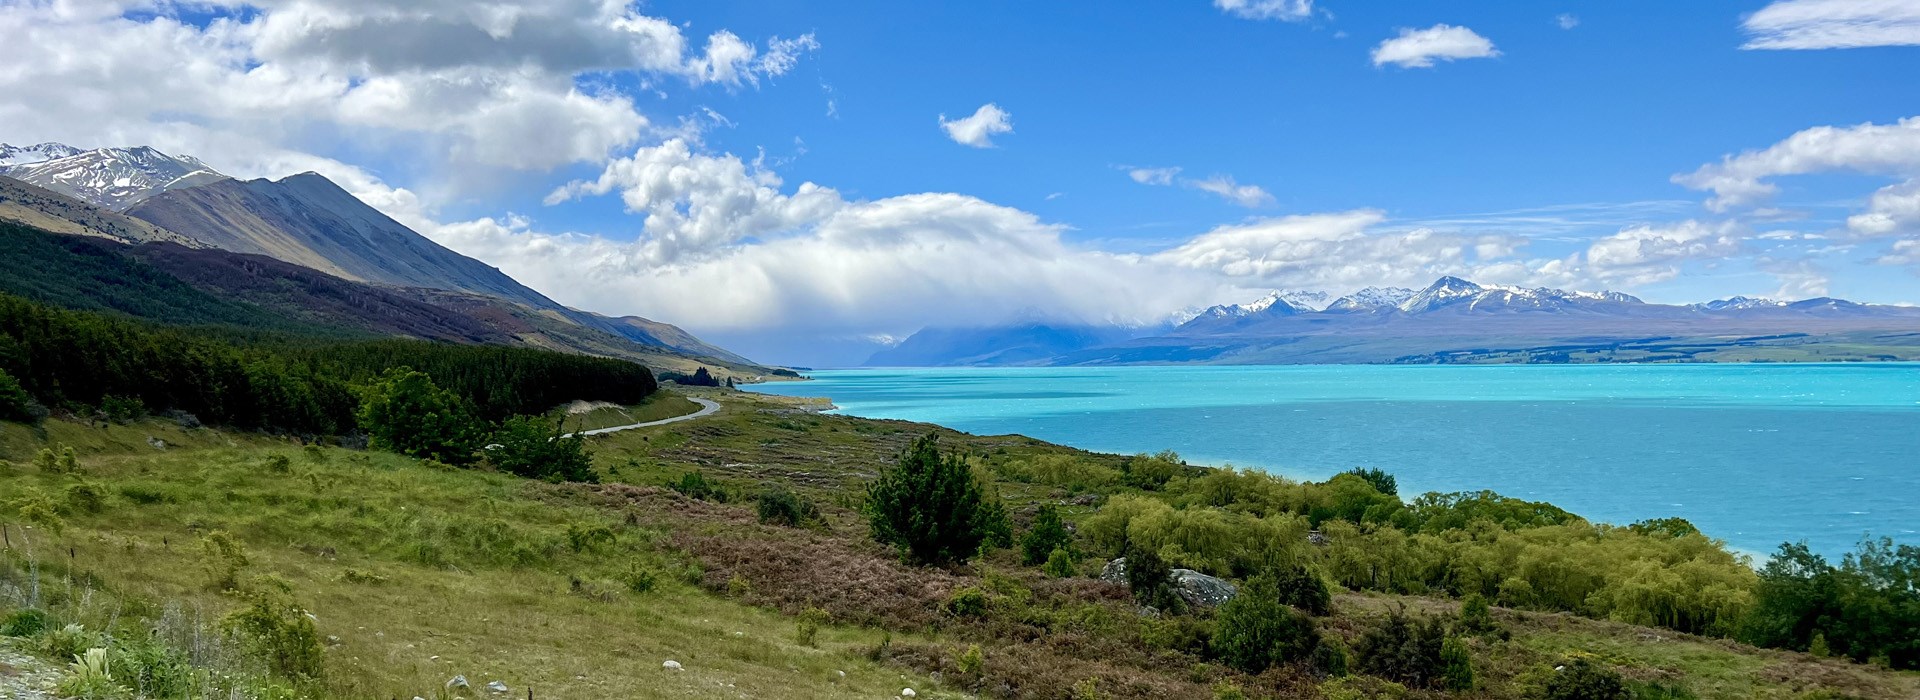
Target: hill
414,574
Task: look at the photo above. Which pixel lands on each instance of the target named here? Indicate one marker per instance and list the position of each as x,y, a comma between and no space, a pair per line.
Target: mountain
1455,320
307,220
1016,344
43,208
114,178
1277,302
1372,299
22,155
309,250
1738,304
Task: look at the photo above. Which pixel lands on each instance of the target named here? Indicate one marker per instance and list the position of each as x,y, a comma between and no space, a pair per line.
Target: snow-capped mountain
1453,291
114,178
23,155
1739,304
1372,298
1277,303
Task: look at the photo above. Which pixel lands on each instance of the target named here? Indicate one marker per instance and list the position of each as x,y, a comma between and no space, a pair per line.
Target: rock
457,682
496,687
156,443
671,665
1201,590
1196,588
907,692
333,641
1084,500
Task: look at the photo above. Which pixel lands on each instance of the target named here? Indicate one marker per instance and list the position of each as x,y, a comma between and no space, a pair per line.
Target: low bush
967,602
1046,536
537,447
278,631
25,622
779,505
695,485
1584,679
1404,650
1257,629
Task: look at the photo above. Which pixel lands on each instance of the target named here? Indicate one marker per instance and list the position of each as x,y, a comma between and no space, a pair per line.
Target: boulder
496,686
671,665
1198,589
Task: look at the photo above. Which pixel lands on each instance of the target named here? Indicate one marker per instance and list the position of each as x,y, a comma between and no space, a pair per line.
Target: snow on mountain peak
1739,303
115,178
24,155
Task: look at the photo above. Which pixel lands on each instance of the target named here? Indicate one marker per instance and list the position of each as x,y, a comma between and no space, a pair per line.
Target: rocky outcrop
1197,589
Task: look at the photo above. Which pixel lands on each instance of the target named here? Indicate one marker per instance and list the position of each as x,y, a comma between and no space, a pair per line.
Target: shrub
640,578
779,505
362,577
1818,646
1060,564
1330,659
1582,679
932,508
405,412
695,485
1381,481
1258,630
278,631
85,497
65,642
808,626
1303,589
148,494
586,538
972,660
1151,472
1227,690
1151,580
1404,650
154,669
968,602
1456,665
1475,615
226,558
123,409
1046,536
537,447
15,404
279,464
25,622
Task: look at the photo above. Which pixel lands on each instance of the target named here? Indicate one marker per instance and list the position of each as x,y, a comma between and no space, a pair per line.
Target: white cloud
978,130
1249,196
1833,24
1567,21
509,85
1284,10
1335,251
1893,209
1651,253
1742,180
1153,176
1417,48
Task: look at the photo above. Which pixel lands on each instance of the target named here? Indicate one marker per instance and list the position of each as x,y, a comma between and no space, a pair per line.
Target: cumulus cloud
1284,10
1418,48
513,85
978,130
1335,251
1566,20
1894,209
1833,24
1651,253
1742,180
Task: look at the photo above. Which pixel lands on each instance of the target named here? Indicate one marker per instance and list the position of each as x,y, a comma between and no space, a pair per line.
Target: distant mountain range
300,247
1457,321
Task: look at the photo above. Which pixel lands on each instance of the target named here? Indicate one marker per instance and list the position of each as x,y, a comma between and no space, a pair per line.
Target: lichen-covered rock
1196,588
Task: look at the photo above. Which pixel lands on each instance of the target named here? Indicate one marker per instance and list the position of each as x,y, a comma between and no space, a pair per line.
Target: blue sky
777,174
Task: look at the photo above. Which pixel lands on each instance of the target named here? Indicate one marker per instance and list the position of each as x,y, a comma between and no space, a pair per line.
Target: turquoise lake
1752,454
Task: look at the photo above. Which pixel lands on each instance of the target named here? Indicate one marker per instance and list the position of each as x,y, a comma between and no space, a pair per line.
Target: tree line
76,360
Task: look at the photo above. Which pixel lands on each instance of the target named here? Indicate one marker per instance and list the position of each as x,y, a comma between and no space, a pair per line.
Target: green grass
504,578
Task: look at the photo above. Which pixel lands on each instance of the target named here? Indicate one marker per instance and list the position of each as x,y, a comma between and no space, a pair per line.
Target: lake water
1753,454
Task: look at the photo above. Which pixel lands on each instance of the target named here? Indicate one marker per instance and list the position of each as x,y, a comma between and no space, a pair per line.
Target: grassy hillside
414,573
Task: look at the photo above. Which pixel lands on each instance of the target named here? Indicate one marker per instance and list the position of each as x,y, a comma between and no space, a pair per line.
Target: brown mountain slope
307,220
30,205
